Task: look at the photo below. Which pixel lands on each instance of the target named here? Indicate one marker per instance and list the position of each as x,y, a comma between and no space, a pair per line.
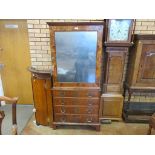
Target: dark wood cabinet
140,79
142,62
41,85
76,69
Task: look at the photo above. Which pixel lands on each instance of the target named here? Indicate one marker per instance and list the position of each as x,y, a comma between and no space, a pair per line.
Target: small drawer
76,93
76,118
75,101
76,110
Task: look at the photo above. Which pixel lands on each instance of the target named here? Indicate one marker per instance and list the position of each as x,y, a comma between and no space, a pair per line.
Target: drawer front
75,101
76,93
76,110
76,118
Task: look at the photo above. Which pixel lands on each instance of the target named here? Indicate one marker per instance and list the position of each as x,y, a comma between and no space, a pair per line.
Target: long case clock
118,39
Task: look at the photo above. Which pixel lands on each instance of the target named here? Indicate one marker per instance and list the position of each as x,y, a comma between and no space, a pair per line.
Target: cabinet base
96,125
135,118
110,119
136,112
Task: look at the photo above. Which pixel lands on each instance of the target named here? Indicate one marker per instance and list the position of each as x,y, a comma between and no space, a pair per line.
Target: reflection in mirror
76,56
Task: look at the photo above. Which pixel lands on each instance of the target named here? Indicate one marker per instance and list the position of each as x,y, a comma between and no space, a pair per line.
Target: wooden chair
151,124
2,114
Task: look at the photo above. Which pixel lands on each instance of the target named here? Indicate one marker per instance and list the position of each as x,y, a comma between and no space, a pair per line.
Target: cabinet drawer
76,93
76,110
75,101
76,118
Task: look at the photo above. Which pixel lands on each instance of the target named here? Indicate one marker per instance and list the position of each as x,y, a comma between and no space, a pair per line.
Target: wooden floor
115,128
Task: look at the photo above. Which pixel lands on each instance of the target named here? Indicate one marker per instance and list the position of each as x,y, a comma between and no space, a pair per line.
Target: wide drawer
76,118
76,110
76,93
75,101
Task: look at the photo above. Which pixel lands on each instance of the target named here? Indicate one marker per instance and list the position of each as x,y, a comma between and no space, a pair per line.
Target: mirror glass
76,56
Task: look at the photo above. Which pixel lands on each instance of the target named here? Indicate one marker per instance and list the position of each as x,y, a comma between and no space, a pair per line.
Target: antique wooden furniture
110,100
151,124
76,59
13,101
141,69
41,86
118,39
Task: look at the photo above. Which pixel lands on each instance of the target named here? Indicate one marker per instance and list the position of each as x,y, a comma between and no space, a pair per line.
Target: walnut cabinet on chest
76,68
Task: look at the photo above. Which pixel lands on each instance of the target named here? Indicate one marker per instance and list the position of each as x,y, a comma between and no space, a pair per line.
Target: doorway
15,56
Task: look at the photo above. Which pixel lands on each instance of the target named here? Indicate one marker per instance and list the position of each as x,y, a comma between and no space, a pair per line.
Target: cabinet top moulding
74,23
118,44
144,37
41,74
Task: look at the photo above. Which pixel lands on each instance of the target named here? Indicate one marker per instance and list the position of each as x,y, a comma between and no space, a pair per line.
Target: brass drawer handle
89,111
90,103
90,119
62,103
63,110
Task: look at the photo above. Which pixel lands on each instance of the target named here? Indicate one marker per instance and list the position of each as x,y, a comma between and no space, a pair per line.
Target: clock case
115,56
120,43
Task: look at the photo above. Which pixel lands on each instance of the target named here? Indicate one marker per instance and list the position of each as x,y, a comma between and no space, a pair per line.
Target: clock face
119,29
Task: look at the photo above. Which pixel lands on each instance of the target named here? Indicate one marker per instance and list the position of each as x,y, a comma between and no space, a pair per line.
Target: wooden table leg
124,92
54,127
150,128
98,127
130,94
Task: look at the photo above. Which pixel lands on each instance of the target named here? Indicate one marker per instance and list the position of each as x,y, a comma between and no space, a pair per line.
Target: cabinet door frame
114,52
72,26
142,59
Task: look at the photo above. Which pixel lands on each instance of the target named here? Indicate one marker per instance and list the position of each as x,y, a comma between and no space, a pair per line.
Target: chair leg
2,115
150,128
14,119
14,129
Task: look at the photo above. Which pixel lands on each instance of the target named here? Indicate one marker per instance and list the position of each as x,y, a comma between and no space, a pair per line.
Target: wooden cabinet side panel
49,102
39,96
134,61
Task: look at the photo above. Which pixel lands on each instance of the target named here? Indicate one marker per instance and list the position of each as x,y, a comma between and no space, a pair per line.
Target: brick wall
39,41
145,26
